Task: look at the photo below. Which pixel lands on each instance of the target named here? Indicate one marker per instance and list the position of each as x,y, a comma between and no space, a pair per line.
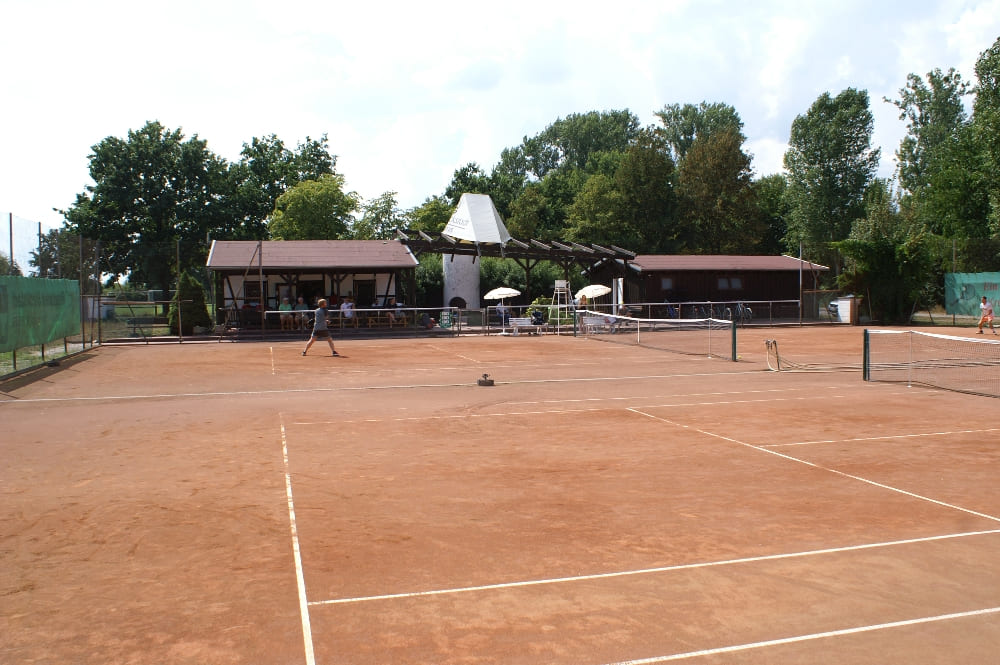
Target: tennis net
701,337
952,363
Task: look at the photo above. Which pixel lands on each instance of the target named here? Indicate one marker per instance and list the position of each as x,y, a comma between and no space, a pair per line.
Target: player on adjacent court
320,330
986,307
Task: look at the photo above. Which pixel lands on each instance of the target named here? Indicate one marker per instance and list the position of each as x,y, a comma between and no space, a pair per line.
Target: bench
518,322
383,320
598,324
137,323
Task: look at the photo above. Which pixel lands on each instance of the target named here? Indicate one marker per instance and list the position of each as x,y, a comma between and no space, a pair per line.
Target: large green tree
934,113
772,211
315,210
716,200
887,258
379,219
830,163
647,197
684,124
986,126
151,190
431,216
265,171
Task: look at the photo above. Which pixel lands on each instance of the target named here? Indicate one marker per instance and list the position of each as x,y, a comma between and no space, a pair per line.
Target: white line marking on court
812,636
881,438
651,571
824,468
402,386
644,397
299,575
273,372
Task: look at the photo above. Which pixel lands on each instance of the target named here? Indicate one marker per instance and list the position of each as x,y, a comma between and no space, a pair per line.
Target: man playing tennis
986,307
320,331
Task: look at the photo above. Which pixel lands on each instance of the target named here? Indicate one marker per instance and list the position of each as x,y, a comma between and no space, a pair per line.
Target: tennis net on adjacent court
960,364
702,337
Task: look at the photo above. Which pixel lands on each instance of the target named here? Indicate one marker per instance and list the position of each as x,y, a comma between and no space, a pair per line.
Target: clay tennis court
601,503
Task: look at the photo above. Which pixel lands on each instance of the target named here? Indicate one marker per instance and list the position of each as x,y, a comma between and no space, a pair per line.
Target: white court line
812,636
651,571
462,416
273,372
299,575
881,438
402,386
873,483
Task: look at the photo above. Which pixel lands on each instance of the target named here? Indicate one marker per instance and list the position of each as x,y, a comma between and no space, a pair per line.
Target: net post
865,366
732,328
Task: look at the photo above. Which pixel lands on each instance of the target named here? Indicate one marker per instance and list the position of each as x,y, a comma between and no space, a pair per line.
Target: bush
193,311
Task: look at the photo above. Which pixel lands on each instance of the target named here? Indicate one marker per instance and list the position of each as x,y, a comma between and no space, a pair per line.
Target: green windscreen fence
963,291
37,311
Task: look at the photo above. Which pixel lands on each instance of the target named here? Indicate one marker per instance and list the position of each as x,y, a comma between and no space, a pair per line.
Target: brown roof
311,254
664,262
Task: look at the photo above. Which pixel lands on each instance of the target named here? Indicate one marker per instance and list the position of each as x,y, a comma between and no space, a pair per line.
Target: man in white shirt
986,307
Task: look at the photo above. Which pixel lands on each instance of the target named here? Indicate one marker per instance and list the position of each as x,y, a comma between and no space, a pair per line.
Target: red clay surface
602,503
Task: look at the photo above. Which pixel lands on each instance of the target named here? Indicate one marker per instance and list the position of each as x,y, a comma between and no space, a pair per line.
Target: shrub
193,311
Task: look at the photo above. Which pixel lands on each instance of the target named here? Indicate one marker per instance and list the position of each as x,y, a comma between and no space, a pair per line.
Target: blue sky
409,92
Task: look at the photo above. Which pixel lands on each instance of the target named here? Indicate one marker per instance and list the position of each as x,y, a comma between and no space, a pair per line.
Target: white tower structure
475,221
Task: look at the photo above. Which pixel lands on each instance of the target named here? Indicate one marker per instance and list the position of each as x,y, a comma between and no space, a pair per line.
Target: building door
364,292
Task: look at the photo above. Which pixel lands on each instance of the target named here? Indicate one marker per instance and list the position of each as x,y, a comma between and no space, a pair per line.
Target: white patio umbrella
593,291
502,292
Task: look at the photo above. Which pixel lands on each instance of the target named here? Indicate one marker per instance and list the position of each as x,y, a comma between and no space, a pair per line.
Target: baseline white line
299,574
873,483
650,571
402,386
619,399
881,438
812,636
461,416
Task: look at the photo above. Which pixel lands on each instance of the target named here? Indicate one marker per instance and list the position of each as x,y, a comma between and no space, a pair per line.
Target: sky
409,92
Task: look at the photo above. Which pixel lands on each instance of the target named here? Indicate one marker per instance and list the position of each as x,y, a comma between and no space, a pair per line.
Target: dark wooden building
714,278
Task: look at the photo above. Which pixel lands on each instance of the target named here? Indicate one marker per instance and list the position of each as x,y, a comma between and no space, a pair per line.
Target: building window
730,283
667,283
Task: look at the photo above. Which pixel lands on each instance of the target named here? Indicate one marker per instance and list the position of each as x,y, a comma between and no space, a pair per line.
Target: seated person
301,317
287,319
347,309
392,310
537,317
503,314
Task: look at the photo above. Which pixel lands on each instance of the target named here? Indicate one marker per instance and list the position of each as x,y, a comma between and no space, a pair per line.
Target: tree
58,255
266,170
151,190
575,139
772,211
683,125
529,213
314,210
934,113
715,197
888,258
380,218
431,216
645,185
830,163
8,267
986,125
469,179
594,215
